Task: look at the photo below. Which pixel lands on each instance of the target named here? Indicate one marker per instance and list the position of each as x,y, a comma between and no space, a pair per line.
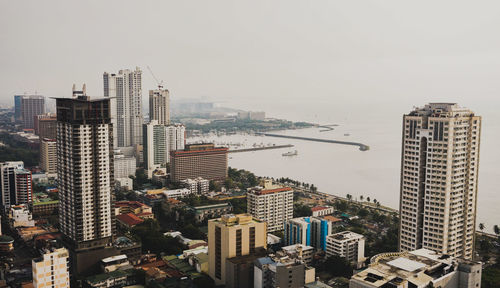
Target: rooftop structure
419,268
349,245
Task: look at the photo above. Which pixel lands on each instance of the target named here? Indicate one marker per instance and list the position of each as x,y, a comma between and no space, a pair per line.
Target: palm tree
375,201
481,226
368,199
496,229
361,198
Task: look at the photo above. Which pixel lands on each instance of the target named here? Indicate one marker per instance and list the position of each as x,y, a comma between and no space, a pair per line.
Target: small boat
347,134
290,153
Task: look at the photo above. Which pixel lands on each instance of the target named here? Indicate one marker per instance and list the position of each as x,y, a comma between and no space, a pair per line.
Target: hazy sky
383,52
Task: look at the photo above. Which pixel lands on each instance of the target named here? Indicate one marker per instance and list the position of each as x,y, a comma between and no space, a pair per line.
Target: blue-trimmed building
310,231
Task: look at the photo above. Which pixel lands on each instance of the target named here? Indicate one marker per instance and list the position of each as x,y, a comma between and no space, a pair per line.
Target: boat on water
290,153
347,134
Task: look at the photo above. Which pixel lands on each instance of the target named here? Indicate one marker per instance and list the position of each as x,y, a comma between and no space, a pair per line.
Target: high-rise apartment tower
439,175
159,106
31,106
85,170
125,91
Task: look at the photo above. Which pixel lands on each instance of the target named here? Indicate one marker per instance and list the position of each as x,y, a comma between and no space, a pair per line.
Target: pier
362,147
261,148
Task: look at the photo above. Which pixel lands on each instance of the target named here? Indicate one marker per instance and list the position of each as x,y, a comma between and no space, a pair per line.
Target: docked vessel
291,153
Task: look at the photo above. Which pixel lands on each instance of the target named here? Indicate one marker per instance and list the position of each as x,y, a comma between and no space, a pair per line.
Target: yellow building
51,270
231,236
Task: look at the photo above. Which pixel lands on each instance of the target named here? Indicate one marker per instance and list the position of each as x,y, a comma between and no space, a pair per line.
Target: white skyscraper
159,140
85,170
439,173
126,107
159,106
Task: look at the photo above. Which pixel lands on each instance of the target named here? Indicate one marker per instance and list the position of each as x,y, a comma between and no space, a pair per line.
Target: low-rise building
113,263
20,216
44,205
299,251
118,278
275,271
6,243
197,185
136,207
240,269
124,183
128,220
125,246
322,210
419,268
349,245
206,212
51,269
176,193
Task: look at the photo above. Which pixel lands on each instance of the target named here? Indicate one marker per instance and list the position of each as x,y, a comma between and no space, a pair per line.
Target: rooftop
129,219
319,208
261,191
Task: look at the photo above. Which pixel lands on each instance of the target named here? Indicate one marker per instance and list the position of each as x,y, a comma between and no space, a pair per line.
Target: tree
481,226
300,210
361,198
375,201
336,266
368,199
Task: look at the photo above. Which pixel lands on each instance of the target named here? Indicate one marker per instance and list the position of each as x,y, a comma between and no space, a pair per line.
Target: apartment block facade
31,106
48,155
15,184
310,231
231,236
85,170
159,106
125,92
274,206
348,245
439,177
199,160
51,269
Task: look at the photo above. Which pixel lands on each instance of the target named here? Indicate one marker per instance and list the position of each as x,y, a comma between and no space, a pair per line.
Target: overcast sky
389,51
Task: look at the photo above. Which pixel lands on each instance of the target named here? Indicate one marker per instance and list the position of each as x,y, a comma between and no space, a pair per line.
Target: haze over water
343,169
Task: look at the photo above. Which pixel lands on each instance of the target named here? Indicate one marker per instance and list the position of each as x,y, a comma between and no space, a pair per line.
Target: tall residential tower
85,170
439,175
159,106
125,91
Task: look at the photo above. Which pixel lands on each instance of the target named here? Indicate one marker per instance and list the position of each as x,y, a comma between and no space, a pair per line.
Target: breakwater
261,148
361,146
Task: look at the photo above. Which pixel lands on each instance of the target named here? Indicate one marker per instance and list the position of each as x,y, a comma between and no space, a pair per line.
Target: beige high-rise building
51,270
231,236
159,106
439,173
48,155
273,205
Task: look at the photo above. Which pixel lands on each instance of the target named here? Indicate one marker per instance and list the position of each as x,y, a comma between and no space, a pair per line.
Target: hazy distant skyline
380,52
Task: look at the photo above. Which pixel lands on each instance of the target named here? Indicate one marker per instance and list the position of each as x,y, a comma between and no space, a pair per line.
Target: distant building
43,205
113,263
260,116
15,184
124,166
125,92
206,212
322,210
45,125
18,114
439,179
48,155
348,245
31,106
159,106
124,183
6,243
159,141
51,269
274,206
199,160
231,236
118,278
420,268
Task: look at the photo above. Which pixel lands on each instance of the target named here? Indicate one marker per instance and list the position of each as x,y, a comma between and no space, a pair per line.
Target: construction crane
160,83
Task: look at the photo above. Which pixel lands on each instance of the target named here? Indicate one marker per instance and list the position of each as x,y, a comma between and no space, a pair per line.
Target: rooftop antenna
160,83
